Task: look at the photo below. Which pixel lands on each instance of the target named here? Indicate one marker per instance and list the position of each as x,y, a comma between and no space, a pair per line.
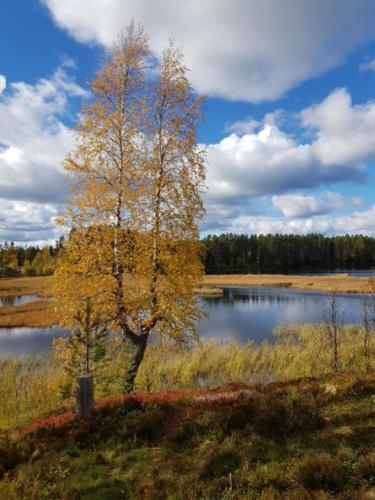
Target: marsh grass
298,351
33,388
29,388
25,286
339,283
37,313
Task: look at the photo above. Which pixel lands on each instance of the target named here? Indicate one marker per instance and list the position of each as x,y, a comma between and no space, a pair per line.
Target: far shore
340,283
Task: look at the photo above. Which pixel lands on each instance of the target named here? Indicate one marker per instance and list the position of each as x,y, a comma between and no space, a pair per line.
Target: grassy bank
32,389
341,283
279,426
310,439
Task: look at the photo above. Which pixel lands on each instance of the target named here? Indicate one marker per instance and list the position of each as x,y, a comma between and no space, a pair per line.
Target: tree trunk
136,349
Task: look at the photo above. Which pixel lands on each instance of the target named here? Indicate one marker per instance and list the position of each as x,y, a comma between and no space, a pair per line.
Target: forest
227,254
286,254
17,260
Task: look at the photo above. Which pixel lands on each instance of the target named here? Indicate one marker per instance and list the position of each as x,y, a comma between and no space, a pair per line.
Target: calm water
28,341
242,313
16,301
245,313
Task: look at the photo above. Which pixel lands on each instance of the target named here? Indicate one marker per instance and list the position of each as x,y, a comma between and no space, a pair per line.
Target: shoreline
340,283
37,313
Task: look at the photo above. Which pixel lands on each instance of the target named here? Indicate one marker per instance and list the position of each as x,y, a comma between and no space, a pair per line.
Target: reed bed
32,388
29,388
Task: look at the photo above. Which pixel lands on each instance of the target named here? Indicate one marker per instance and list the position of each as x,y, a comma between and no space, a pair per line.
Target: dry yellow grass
341,283
35,313
12,287
208,291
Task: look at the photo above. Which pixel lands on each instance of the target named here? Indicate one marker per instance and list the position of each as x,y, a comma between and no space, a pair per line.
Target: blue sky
289,121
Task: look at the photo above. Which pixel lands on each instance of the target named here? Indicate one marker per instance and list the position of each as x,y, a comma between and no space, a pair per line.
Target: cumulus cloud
3,83
243,50
344,133
301,206
33,143
34,139
24,222
240,127
294,205
359,222
269,161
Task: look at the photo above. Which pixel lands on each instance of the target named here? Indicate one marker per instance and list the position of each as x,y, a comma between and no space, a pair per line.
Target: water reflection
12,301
251,313
28,341
242,314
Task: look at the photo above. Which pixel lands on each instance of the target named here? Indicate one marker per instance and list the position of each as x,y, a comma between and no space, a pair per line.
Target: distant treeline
228,253
234,253
30,260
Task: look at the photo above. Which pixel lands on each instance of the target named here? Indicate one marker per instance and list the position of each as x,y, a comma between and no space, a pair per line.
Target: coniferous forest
31,260
229,253
286,254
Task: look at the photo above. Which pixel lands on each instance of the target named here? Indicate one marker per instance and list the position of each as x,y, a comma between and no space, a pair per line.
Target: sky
289,127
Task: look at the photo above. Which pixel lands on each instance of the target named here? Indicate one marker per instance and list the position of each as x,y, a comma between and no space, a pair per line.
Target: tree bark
136,348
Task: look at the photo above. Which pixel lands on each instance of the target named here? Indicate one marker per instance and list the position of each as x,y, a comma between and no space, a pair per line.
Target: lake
12,301
28,341
242,313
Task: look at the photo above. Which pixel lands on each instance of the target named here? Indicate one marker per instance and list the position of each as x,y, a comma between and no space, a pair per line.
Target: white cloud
368,65
344,133
269,161
246,49
3,83
336,201
240,127
294,205
34,139
301,206
33,143
356,223
25,222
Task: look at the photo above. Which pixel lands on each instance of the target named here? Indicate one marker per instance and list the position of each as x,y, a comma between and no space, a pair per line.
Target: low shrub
283,415
322,472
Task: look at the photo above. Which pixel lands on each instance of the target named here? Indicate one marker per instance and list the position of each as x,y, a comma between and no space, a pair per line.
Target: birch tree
137,174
